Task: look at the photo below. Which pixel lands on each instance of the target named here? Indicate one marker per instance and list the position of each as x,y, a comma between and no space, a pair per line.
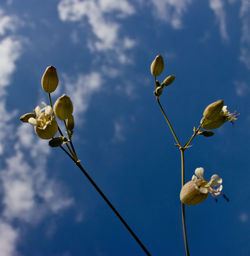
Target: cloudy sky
102,50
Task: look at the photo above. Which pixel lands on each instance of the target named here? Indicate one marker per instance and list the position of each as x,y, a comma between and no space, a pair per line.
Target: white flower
197,190
44,122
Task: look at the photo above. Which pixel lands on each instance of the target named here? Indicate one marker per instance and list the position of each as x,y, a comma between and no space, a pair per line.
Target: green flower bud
205,133
191,195
63,107
213,109
70,123
58,141
168,80
24,118
157,66
49,79
48,131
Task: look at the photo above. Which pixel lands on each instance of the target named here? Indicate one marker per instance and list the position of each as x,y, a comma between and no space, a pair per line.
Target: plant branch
168,122
77,162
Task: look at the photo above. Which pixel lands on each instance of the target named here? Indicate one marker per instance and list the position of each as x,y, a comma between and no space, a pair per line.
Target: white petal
48,110
194,178
199,172
37,110
215,181
32,121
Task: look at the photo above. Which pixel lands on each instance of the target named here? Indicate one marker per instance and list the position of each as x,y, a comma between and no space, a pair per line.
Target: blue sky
103,50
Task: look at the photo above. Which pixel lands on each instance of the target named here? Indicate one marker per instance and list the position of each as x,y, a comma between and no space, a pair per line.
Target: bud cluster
44,119
157,68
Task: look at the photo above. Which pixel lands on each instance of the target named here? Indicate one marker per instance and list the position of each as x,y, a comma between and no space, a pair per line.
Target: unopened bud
49,79
191,195
157,66
63,107
57,142
70,123
49,131
213,109
24,118
205,133
168,80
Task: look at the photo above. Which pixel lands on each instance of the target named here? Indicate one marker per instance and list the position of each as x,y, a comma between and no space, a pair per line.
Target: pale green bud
58,141
213,109
24,118
63,107
48,131
191,195
49,79
157,66
168,80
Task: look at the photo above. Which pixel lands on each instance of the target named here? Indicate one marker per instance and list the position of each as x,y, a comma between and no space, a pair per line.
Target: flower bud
57,142
168,80
213,109
205,133
157,66
49,79
191,195
49,131
63,107
24,118
70,123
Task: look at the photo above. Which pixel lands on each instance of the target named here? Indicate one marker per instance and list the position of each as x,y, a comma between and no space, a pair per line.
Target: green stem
182,205
168,122
192,137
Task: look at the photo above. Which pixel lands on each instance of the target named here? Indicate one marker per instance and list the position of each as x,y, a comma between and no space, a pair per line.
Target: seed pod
24,118
157,66
63,107
49,131
168,80
191,195
49,79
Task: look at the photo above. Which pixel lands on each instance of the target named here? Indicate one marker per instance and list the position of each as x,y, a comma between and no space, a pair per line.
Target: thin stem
168,122
182,205
192,137
77,162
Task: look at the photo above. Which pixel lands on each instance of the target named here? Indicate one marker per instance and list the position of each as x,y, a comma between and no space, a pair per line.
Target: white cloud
218,9
102,16
242,89
245,33
118,131
81,89
171,11
10,50
7,22
8,239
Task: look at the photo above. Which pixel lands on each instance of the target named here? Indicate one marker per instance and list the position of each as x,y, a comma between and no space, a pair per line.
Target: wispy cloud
81,88
9,237
242,88
171,11
218,8
245,33
103,17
